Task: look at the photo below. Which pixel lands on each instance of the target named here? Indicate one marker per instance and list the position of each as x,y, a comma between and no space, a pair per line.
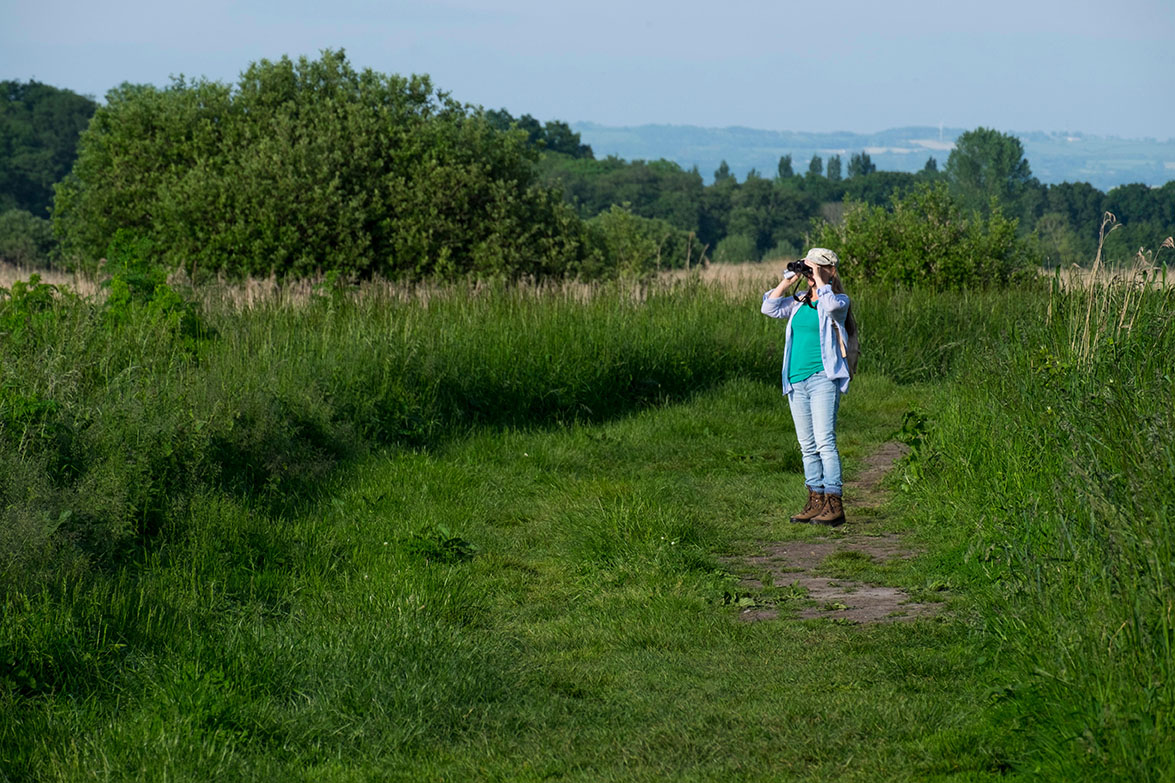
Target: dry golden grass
10,273
736,279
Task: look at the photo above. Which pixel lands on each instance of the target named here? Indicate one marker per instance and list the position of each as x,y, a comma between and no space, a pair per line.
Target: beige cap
822,256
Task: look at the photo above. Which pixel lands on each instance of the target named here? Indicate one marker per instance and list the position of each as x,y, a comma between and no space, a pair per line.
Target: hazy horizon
846,65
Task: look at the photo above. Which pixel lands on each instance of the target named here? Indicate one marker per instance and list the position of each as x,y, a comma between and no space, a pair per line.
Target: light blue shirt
832,309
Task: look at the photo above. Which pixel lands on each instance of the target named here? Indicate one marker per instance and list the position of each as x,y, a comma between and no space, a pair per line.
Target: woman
815,375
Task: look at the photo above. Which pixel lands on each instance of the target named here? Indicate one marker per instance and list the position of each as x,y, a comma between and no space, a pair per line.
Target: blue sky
836,65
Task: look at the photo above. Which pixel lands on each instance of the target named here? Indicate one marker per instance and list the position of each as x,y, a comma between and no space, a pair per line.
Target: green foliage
26,240
637,247
925,239
834,168
1146,217
311,165
879,187
1065,217
138,287
440,545
860,164
769,212
39,127
987,167
737,249
25,308
659,190
1060,245
554,136
783,170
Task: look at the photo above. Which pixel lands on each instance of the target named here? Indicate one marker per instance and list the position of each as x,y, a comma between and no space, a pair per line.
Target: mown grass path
839,574
553,604
601,595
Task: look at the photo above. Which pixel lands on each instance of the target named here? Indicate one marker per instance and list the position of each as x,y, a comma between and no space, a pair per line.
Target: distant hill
1103,161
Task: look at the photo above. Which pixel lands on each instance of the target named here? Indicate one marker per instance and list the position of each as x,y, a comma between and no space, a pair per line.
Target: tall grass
1054,458
148,472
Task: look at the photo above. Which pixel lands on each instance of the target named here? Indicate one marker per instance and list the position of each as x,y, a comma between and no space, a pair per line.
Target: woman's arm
776,302
835,305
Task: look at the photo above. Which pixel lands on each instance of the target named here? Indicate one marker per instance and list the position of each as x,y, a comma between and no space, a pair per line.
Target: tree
39,129
987,164
554,136
860,165
306,166
558,137
879,187
931,167
816,167
769,213
654,189
25,240
834,172
785,169
722,173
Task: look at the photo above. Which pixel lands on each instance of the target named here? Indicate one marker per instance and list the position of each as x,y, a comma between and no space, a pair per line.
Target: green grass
486,538
587,638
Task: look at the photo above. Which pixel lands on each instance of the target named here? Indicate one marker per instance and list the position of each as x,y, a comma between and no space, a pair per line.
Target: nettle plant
138,288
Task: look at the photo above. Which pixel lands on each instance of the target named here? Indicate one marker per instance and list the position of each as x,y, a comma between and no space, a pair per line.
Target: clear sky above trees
1055,65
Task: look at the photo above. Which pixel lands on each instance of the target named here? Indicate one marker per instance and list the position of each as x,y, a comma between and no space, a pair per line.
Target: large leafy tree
310,165
39,129
986,164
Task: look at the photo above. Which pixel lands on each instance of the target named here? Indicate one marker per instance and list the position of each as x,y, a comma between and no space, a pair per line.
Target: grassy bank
1051,467
477,535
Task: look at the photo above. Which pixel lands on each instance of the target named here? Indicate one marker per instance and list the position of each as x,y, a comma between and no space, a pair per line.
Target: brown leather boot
813,507
833,512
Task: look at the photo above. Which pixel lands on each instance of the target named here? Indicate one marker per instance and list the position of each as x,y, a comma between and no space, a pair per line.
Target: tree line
309,166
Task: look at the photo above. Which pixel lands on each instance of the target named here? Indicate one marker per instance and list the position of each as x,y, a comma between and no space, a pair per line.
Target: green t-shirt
805,345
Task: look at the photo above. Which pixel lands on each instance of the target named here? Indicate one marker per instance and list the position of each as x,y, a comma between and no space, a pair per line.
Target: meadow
483,532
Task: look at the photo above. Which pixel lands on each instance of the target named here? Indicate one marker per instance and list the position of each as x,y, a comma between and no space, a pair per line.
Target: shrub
26,240
309,166
736,249
924,237
636,246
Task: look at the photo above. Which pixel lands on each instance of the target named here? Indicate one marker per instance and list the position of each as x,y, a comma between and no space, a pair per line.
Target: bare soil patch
792,579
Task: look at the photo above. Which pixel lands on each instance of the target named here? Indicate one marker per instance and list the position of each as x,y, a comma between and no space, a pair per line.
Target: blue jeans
814,402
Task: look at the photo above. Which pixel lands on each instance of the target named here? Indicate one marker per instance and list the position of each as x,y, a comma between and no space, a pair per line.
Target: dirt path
796,579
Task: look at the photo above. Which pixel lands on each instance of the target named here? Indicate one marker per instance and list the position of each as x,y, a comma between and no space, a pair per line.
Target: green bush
735,249
26,240
310,166
925,238
635,246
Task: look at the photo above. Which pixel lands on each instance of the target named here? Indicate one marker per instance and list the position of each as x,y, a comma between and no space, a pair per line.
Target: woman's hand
820,274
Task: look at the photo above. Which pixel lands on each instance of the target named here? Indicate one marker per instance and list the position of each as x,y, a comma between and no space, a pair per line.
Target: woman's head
821,256
826,259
